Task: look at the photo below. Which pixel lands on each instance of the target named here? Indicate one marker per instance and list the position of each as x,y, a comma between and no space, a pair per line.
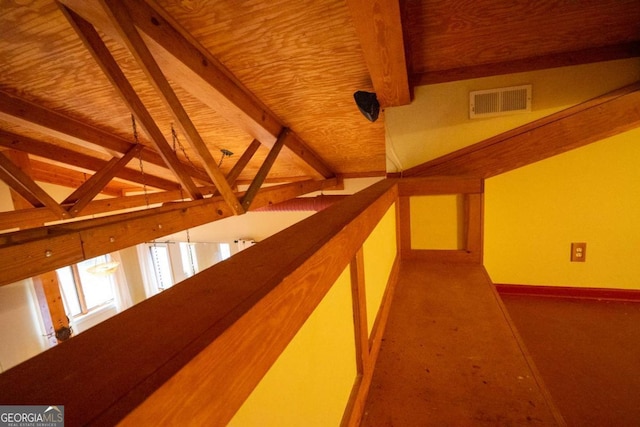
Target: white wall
21,333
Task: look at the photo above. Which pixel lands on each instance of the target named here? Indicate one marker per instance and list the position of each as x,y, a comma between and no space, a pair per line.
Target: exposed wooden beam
258,180
34,217
22,161
52,309
290,275
379,27
109,66
242,162
184,61
92,187
35,117
20,182
562,59
589,122
31,252
46,285
128,32
65,177
79,160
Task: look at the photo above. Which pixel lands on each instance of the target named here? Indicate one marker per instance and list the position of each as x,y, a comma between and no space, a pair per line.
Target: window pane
69,293
225,250
97,287
161,265
188,257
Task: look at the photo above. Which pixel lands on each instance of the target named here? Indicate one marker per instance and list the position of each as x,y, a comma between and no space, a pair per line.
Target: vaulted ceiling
271,82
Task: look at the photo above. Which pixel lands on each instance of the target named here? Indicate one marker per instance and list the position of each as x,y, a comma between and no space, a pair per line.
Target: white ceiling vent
499,102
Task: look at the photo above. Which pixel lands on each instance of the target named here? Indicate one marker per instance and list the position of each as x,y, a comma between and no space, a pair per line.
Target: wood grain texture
379,27
512,66
94,185
79,161
128,356
60,245
356,409
185,61
461,363
109,66
43,120
447,35
258,180
47,289
24,185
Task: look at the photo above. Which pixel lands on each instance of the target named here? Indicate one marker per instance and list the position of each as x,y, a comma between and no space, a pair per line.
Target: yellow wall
534,213
310,383
436,222
379,254
588,195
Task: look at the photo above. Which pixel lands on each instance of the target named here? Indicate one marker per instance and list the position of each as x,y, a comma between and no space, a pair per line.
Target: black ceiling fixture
368,104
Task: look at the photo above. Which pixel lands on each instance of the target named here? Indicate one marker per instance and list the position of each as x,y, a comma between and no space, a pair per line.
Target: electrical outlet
578,252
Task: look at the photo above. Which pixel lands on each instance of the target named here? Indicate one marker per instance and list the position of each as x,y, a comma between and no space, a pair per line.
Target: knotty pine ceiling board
449,34
303,60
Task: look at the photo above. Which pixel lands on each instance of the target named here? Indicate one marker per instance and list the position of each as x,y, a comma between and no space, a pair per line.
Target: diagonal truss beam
42,120
185,61
242,162
22,184
120,17
258,180
379,27
105,60
30,252
90,189
69,157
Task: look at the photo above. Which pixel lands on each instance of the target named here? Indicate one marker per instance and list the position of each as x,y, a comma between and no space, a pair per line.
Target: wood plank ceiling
271,82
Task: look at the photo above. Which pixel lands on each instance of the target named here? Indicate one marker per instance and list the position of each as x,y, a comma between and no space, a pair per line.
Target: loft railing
295,321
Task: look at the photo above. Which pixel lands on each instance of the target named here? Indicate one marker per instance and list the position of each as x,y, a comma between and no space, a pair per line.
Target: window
188,258
85,286
170,262
161,264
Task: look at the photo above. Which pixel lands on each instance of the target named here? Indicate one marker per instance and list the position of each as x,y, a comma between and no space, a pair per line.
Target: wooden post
56,322
50,302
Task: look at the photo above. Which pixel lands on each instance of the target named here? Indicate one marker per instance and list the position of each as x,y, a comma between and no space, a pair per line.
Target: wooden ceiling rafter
109,66
46,172
22,184
84,194
120,17
45,121
185,61
379,27
554,60
65,156
242,162
258,180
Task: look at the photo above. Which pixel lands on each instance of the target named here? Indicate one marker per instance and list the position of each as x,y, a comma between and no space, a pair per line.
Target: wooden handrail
209,328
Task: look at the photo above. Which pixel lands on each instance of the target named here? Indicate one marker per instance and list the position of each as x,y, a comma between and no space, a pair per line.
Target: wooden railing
195,353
